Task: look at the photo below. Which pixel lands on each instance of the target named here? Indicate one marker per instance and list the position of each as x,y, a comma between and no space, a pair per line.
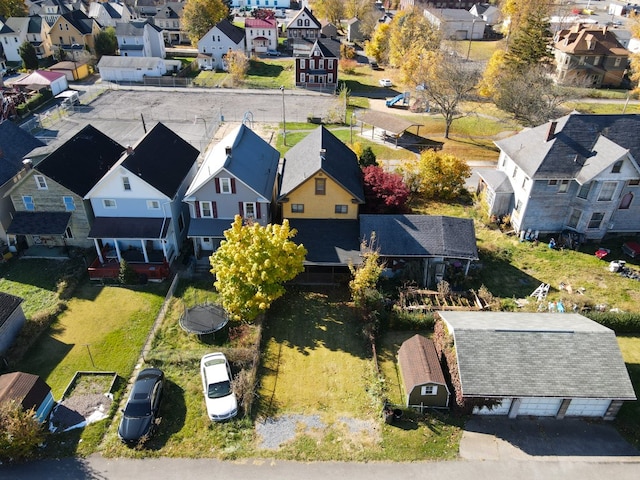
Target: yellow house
321,179
74,32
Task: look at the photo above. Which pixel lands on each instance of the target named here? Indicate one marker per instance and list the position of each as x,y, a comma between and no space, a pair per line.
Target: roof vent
552,131
227,151
323,152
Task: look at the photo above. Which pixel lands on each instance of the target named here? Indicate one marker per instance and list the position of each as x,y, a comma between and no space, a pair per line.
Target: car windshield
220,389
137,409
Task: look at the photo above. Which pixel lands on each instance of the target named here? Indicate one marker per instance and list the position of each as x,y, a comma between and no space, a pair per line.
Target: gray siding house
578,173
11,320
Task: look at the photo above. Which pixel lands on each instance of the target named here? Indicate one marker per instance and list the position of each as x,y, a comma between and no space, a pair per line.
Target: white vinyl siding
588,407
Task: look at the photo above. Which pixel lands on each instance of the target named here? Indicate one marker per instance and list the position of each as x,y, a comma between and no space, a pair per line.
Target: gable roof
421,235
8,305
505,354
330,47
79,20
571,150
35,24
452,14
15,143
419,363
162,159
235,34
108,61
496,179
260,23
134,28
304,12
252,160
27,389
82,160
577,40
322,151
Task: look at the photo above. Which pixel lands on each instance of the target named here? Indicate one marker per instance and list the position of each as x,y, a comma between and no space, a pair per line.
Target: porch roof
130,227
39,223
208,227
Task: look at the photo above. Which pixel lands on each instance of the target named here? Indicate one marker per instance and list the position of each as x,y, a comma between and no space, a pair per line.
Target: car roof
144,383
215,367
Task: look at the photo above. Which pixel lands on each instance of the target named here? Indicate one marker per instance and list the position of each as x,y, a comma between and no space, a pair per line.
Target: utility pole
284,121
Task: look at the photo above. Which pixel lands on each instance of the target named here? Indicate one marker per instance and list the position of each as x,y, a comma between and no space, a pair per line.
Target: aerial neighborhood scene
334,230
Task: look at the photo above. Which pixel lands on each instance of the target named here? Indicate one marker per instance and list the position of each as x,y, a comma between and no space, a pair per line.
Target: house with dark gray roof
442,246
217,42
168,17
237,177
536,364
140,38
15,144
74,33
11,320
579,173
422,376
109,12
50,209
139,213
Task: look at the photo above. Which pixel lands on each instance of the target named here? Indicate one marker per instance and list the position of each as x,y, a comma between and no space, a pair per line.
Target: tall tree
530,44
447,81
384,192
437,175
378,47
332,10
251,265
410,33
28,55
516,12
635,57
199,16
491,76
106,42
13,8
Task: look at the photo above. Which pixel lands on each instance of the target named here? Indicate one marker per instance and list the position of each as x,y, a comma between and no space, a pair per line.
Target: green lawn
628,420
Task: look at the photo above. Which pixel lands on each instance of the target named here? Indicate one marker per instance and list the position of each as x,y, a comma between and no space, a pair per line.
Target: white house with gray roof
456,24
134,69
538,364
237,177
109,12
217,42
140,38
579,173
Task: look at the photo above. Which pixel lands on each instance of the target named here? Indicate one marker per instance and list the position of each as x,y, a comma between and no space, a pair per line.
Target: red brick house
319,69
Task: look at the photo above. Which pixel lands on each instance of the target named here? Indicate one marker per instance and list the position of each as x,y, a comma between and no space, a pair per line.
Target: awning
389,123
208,227
130,227
39,223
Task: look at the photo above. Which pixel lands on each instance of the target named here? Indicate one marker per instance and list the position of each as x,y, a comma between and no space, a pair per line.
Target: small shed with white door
535,364
56,81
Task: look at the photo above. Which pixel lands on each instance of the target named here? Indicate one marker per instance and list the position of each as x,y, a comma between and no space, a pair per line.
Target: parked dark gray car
140,412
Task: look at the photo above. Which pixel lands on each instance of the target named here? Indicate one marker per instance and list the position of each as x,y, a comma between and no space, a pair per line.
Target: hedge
619,322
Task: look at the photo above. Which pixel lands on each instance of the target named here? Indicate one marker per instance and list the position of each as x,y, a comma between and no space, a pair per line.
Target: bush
400,319
20,432
618,322
127,275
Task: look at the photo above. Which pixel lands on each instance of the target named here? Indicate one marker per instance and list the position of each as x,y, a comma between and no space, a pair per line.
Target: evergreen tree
530,44
28,55
106,42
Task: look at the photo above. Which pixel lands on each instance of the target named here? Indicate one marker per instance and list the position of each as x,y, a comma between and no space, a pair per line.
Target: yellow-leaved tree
635,57
199,16
409,30
252,263
378,47
436,175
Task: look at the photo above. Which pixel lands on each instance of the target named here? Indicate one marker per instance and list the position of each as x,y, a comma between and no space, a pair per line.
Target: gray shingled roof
39,223
421,235
8,305
504,354
133,28
337,161
15,143
496,179
575,150
235,34
128,62
328,242
129,227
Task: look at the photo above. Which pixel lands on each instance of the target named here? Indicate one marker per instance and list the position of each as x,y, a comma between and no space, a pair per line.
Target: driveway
497,438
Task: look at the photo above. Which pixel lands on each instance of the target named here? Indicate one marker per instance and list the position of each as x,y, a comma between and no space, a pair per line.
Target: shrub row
34,102
619,322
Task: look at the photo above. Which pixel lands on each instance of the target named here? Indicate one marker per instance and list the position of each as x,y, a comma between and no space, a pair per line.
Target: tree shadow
172,416
258,68
71,467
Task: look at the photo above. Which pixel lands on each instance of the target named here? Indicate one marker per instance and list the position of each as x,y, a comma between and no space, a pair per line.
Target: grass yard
628,420
265,73
602,108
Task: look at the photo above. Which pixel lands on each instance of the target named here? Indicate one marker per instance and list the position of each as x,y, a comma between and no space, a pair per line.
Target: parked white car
385,82
216,383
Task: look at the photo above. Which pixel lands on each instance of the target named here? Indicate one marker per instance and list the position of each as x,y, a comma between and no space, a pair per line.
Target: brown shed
423,380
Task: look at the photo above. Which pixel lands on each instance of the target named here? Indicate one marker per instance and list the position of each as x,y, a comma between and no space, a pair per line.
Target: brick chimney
552,131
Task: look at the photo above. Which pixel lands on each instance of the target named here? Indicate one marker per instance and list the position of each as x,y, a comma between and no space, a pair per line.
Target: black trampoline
204,318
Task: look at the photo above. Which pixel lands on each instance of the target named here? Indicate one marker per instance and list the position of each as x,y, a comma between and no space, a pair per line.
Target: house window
342,208
625,203
68,233
109,203
564,186
249,210
302,63
617,167
518,205
302,78
69,204
297,208
299,22
429,390
205,210
181,222
607,191
28,203
306,22
574,218
553,182
126,183
524,183
584,190
41,182
617,62
596,220
515,172
225,185
634,182
153,205
321,185
596,61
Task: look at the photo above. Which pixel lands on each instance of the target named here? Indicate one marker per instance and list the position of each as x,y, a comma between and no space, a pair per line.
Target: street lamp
284,121
471,37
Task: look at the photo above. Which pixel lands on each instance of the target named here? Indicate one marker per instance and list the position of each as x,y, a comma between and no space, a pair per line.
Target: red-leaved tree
384,192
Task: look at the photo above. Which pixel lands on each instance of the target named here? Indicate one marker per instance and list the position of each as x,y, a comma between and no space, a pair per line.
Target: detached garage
422,377
130,69
533,364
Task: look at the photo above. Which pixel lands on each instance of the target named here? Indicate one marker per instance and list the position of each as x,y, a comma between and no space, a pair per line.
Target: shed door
588,407
501,408
540,407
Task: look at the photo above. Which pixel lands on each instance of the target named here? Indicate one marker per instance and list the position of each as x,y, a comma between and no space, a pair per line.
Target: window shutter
233,185
258,212
215,209
240,209
197,209
217,181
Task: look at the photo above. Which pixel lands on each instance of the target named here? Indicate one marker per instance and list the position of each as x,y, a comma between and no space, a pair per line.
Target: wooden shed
422,376
29,390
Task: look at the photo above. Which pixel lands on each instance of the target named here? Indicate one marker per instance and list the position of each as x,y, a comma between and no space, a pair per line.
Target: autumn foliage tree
378,46
199,16
20,432
252,263
437,175
411,34
384,192
13,8
238,66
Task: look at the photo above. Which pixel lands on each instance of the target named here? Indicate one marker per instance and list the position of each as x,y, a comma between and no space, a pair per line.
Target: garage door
588,407
501,408
540,407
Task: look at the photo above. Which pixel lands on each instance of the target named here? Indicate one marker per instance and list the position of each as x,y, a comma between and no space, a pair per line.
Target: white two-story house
140,38
214,45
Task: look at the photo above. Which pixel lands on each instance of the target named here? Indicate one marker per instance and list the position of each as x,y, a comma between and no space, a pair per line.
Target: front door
206,243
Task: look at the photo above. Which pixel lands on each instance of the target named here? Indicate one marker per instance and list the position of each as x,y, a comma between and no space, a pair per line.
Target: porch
156,269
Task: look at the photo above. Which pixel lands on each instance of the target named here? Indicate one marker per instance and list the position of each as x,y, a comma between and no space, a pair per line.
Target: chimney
552,131
27,163
227,151
323,151
129,150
